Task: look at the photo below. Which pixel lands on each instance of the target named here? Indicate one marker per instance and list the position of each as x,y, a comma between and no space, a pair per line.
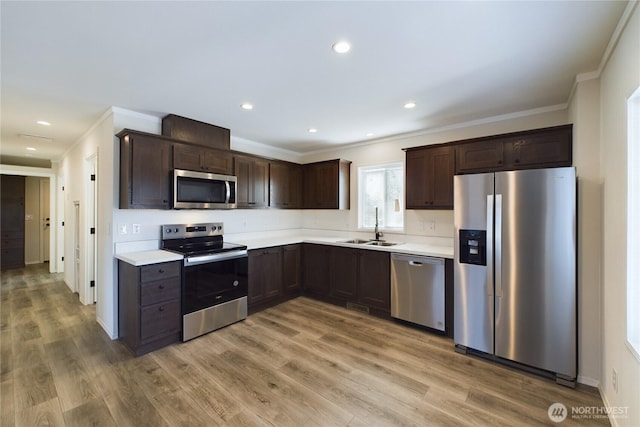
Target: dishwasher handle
416,260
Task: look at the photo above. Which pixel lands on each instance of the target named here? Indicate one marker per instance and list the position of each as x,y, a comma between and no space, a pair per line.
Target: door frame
56,200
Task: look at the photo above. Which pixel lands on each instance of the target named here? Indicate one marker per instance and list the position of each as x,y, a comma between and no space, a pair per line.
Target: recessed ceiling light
43,123
370,134
31,149
313,130
341,47
247,106
409,105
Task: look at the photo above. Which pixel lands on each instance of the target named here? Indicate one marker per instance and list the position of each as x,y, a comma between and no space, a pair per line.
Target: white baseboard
589,381
110,333
607,404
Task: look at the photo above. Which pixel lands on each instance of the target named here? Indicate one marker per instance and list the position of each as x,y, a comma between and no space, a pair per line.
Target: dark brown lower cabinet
149,314
316,265
344,273
292,268
265,275
348,276
374,280
274,276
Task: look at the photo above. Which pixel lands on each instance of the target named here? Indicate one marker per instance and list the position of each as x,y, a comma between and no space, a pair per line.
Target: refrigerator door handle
489,243
498,246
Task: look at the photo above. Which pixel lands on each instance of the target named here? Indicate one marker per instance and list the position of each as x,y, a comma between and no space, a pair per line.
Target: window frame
388,165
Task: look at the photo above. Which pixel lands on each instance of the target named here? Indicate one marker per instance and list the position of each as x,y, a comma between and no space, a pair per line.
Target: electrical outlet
135,228
431,225
122,229
614,379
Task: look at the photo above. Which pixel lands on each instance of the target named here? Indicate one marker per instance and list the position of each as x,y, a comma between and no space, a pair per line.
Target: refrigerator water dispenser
473,247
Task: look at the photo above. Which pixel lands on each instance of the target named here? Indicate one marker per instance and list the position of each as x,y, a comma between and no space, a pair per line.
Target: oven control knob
219,227
236,283
168,230
175,230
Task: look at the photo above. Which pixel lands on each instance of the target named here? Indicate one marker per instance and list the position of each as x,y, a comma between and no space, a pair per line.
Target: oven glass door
212,283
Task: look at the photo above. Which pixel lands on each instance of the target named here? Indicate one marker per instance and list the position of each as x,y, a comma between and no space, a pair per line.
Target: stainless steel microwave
201,190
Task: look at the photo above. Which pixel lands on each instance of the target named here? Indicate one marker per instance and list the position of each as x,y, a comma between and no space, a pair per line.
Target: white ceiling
68,62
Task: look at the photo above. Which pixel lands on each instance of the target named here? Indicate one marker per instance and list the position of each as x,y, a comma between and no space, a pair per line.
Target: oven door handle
214,258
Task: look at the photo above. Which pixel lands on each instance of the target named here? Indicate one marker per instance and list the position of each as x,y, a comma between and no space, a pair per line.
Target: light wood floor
302,363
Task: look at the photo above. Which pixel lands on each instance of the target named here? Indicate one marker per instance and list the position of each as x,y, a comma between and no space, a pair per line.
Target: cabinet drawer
159,319
12,234
153,272
12,243
160,290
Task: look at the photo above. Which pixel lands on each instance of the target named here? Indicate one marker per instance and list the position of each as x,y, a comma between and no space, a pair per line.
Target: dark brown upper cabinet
326,184
285,185
429,177
202,159
189,130
253,181
539,148
145,171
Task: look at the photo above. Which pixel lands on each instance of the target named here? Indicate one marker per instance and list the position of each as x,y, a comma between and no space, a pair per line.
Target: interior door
45,220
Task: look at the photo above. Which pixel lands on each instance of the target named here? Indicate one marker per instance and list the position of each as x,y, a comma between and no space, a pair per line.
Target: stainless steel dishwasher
417,290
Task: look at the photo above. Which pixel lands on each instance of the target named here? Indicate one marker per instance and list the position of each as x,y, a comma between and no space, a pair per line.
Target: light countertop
154,256
148,257
423,249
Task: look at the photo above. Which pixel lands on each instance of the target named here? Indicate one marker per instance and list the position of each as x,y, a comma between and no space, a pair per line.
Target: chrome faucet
375,230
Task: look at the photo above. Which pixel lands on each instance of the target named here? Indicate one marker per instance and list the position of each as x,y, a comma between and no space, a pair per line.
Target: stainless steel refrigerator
515,268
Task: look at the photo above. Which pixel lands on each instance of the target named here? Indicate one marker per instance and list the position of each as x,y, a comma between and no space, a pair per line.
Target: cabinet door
442,164
481,156
292,268
374,281
253,182
547,149
429,178
344,273
265,274
417,178
279,182
260,174
187,157
217,161
295,186
316,267
149,173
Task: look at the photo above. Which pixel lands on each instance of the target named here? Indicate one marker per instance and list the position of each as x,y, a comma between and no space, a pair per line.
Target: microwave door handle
228,187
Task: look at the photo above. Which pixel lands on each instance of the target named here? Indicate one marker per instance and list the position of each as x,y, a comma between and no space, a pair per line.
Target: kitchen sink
355,241
380,243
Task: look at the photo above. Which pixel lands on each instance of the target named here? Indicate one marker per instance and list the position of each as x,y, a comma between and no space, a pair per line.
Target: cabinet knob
517,160
160,286
499,162
161,271
161,308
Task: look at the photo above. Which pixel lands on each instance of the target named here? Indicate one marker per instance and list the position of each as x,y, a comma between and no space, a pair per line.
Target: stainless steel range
215,281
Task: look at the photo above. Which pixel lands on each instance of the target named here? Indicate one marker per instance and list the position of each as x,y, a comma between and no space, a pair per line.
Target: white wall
620,78
584,111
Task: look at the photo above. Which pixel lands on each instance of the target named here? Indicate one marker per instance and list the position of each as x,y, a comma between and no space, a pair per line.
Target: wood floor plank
94,413
7,406
43,414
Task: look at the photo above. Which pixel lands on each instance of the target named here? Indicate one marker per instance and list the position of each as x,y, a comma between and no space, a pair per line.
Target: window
382,187
633,224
